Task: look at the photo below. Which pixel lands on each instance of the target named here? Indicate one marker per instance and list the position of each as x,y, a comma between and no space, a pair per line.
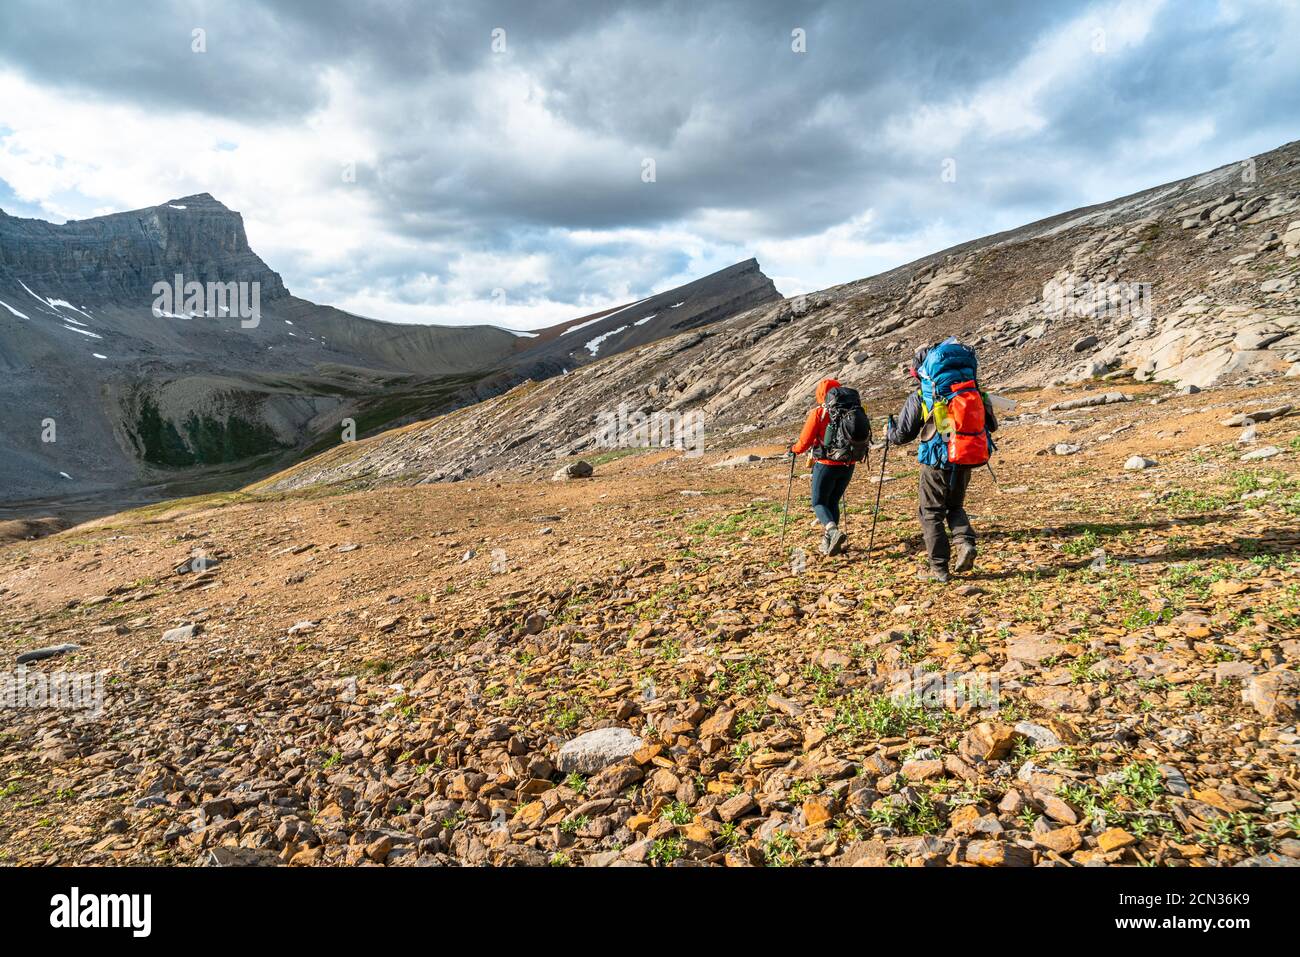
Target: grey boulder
40,654
594,751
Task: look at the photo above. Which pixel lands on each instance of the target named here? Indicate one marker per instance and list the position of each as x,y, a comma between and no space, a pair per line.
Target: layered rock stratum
113,398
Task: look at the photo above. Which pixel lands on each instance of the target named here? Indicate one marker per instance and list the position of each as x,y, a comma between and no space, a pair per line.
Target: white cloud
521,173
1010,105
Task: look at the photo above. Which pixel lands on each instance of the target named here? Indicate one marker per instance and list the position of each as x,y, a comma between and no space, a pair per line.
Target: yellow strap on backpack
939,412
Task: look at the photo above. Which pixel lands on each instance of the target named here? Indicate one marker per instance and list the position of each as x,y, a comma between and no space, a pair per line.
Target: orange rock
1063,840
817,810
530,815
1226,587
1114,839
963,819
719,725
1213,798
647,754
998,854
697,833
991,740
307,857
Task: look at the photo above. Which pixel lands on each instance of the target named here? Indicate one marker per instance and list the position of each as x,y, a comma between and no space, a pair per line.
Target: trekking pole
993,475
880,487
788,489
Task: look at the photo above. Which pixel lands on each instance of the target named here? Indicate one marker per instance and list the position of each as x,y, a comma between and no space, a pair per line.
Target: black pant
829,483
943,499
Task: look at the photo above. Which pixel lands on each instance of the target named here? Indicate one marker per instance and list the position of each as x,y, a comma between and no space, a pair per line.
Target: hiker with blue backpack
953,419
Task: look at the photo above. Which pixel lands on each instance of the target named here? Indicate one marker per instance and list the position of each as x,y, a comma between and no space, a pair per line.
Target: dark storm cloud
633,72
751,141
142,53
264,58
793,139
1242,72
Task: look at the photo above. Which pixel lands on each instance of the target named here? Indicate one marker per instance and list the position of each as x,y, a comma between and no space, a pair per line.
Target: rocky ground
629,670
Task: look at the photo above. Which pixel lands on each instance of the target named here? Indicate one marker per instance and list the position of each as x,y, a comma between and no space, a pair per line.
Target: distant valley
114,399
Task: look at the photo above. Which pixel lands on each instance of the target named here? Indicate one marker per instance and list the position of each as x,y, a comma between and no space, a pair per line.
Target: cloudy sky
501,150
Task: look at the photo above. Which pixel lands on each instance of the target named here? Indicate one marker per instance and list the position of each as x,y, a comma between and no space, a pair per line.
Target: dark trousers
943,499
829,482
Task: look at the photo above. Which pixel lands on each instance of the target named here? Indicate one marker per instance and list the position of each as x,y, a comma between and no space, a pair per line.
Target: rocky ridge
1195,283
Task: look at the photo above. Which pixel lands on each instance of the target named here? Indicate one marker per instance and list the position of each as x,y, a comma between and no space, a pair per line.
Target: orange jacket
814,426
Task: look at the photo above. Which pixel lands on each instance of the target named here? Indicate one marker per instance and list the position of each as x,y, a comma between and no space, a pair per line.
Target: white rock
1041,736
738,460
1137,463
574,470
1267,452
591,752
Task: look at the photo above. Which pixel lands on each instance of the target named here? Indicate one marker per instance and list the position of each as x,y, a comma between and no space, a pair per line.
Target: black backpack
848,431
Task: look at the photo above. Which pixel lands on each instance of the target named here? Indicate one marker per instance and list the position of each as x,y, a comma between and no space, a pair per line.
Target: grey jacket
912,419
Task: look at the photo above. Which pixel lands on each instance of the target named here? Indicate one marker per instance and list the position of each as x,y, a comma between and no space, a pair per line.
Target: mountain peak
196,201
118,257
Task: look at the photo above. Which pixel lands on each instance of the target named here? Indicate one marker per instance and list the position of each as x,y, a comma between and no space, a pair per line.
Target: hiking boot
835,540
965,560
831,532
939,575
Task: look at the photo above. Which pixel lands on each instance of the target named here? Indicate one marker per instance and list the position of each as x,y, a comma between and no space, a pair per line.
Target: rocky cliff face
118,258
703,302
1195,282
110,398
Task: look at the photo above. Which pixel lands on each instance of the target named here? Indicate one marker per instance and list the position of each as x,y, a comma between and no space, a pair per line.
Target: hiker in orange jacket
830,479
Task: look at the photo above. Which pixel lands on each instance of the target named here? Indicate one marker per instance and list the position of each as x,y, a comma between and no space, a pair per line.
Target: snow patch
84,332
642,322
98,356
66,475
519,333
55,303
589,322
40,299
20,315
64,304
594,345
174,206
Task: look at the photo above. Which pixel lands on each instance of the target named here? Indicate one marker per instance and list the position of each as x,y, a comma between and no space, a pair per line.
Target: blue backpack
949,370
